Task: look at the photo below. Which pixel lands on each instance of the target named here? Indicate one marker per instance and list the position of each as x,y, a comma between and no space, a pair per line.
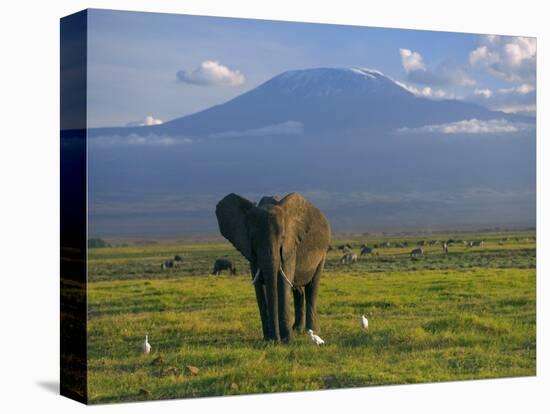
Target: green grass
467,315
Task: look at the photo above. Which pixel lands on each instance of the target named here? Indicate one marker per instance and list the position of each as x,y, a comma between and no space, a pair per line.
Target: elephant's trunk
270,274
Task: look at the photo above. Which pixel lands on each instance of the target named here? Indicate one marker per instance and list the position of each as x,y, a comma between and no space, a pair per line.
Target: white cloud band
471,126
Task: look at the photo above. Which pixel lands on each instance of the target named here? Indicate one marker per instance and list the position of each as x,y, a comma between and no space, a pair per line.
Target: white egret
146,347
365,322
316,339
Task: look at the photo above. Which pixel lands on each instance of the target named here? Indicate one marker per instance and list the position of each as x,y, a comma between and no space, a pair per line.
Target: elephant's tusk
286,278
256,276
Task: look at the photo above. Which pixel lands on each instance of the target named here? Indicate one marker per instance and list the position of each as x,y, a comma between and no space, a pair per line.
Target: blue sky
147,68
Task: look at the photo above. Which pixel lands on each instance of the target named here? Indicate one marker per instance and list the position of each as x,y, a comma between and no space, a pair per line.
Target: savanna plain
465,314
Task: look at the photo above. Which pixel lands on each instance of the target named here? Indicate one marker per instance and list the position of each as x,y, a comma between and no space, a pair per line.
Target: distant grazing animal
178,258
476,243
343,248
405,244
146,347
452,241
420,243
349,258
330,248
417,252
445,247
385,244
223,264
365,322
169,264
365,250
316,339
399,245
363,246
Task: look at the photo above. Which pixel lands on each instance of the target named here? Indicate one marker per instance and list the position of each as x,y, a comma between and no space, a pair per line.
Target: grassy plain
466,315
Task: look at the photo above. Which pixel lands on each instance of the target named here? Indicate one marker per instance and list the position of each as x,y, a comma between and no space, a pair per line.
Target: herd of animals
348,257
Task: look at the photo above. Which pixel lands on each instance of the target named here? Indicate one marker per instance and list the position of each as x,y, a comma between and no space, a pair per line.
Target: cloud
148,121
472,126
411,61
135,140
510,58
517,99
285,128
447,72
528,109
428,92
486,93
211,73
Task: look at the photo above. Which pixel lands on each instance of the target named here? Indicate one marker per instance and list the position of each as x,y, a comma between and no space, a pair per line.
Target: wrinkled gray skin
290,234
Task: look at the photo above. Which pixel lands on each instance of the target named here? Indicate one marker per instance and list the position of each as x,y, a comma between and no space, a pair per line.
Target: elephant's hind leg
312,289
298,308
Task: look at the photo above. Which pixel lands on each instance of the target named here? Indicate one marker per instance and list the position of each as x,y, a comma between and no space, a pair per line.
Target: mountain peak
324,82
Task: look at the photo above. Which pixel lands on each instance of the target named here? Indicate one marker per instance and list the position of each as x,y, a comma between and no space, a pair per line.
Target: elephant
286,245
224,264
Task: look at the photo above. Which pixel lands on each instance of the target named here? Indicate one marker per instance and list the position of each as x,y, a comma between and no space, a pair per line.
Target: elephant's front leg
285,315
298,293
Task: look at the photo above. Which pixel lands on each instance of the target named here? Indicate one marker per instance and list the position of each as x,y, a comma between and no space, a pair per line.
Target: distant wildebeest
168,264
399,245
476,243
349,258
445,247
384,245
420,243
343,248
178,258
365,250
405,244
363,246
417,252
224,264
330,248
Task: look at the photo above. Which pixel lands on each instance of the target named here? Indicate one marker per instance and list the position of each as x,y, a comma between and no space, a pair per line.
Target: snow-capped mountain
362,147
321,99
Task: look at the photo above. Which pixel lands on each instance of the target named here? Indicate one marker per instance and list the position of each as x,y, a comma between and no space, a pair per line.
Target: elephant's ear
231,214
297,222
